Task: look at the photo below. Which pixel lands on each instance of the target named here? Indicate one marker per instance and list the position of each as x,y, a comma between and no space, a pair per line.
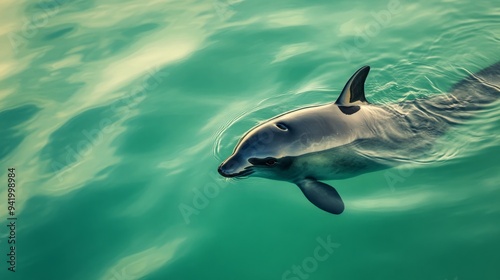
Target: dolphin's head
261,151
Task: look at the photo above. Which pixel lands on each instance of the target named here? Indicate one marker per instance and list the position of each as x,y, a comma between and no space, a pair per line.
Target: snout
223,171
234,167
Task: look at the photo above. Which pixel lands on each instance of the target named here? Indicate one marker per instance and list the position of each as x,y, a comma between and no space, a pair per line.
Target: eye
271,161
281,126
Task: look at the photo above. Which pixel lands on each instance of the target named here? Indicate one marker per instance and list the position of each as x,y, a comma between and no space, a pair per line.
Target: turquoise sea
116,114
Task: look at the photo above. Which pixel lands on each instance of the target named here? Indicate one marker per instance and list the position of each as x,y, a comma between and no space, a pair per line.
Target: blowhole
281,126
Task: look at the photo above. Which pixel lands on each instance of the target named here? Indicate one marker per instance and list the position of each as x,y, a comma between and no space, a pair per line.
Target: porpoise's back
416,124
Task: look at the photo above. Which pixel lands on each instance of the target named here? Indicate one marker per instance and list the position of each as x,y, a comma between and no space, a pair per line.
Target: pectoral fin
322,195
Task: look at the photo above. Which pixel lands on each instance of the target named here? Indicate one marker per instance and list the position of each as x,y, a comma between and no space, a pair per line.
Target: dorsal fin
354,91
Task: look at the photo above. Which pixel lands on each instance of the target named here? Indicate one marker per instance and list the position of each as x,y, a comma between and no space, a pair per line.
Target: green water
116,114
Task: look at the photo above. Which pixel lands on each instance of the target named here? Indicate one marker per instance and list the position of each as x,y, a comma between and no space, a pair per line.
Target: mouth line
241,174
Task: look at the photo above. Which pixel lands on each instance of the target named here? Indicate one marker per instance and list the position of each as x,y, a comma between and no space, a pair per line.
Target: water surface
116,114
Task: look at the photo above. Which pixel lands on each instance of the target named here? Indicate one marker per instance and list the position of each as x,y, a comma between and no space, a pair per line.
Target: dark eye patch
271,161
268,161
282,126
